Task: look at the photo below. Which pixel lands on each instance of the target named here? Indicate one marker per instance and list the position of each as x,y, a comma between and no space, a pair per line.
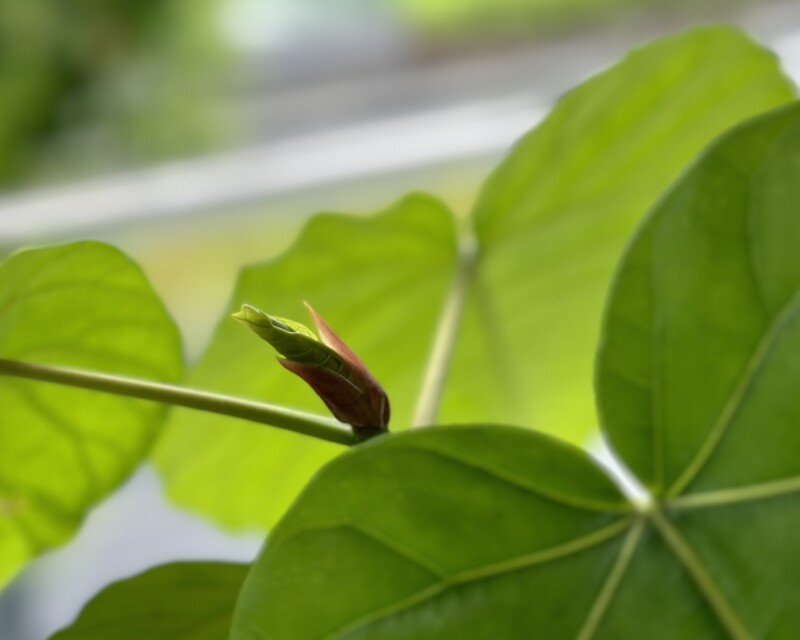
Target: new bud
327,365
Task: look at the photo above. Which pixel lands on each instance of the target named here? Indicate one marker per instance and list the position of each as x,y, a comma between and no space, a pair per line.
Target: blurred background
198,135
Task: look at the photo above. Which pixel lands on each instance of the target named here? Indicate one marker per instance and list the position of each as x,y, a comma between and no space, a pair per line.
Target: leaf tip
249,315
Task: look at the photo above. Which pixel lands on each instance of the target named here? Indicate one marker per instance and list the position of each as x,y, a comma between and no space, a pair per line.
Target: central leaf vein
519,483
729,412
747,493
486,572
615,576
703,580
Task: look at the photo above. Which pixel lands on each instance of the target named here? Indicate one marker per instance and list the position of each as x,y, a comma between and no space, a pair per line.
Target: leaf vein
699,573
747,493
610,586
731,409
519,483
486,572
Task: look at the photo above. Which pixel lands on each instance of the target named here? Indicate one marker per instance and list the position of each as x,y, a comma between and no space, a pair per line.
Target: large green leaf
379,283
434,534
554,217
61,450
490,532
699,368
469,532
699,365
549,225
180,601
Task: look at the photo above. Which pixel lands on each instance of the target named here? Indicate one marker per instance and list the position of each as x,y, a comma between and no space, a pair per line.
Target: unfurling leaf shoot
327,365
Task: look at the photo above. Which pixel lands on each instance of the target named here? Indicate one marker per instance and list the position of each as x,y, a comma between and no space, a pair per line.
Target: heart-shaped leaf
87,306
554,217
488,532
180,601
434,534
699,363
379,280
549,225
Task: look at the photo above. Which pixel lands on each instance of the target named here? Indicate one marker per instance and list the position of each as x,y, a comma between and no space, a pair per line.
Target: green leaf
435,533
87,306
487,532
554,217
180,601
698,370
379,283
468,532
550,223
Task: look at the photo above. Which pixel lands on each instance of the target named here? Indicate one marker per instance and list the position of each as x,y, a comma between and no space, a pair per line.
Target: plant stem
430,395
297,421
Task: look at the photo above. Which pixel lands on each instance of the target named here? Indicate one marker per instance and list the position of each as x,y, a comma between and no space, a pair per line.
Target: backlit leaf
83,305
549,225
180,601
379,283
491,532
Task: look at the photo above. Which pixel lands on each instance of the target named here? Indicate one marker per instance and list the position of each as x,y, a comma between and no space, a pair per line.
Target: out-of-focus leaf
556,214
180,601
504,17
550,223
491,532
379,283
67,75
88,306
